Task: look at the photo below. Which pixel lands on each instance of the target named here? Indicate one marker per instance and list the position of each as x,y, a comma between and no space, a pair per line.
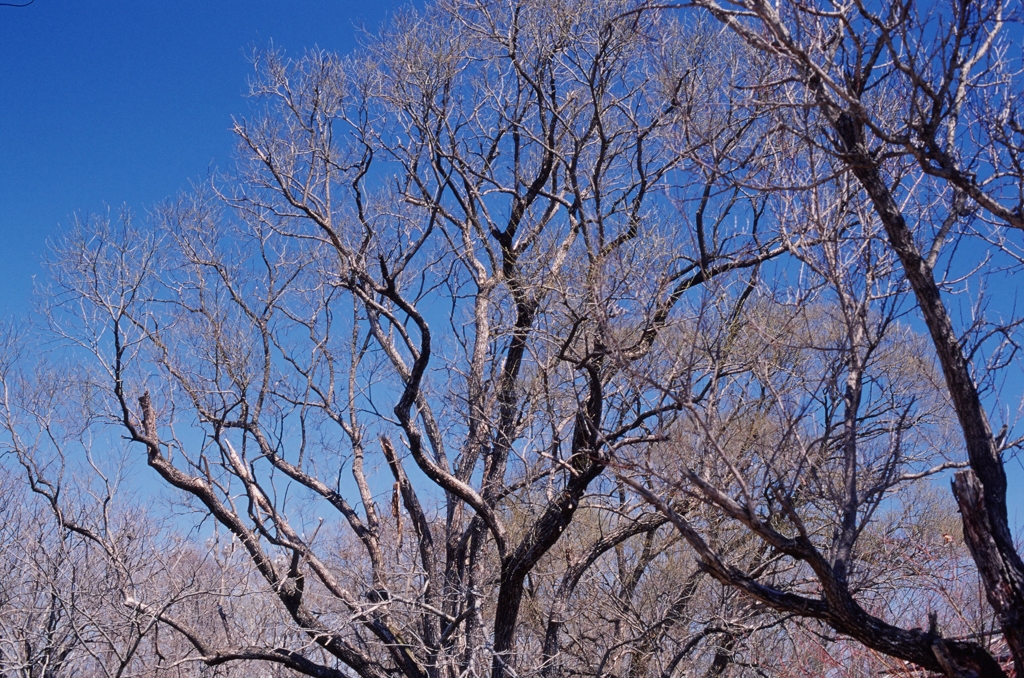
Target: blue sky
111,102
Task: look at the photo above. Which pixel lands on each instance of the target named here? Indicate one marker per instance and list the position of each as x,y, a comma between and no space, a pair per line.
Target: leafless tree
908,111
60,594
379,357
529,313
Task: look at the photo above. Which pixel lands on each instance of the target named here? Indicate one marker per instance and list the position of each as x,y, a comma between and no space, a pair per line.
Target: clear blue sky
106,102
111,102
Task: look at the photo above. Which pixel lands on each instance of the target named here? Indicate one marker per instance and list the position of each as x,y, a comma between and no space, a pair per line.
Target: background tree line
543,338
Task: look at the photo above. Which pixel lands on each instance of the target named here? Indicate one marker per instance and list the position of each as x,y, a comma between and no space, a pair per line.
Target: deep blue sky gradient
111,102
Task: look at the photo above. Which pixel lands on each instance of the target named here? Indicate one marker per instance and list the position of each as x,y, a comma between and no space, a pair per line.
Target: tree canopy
548,338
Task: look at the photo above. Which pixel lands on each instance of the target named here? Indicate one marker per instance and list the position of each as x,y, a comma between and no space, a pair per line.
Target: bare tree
914,105
482,294
64,571
379,357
